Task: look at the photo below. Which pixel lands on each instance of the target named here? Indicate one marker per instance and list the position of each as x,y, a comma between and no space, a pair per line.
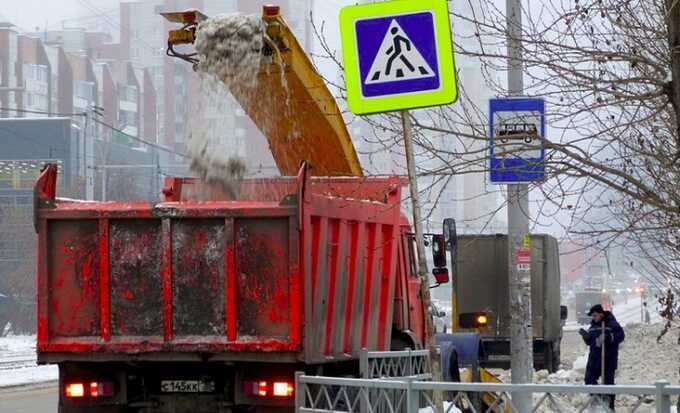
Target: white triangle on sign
397,59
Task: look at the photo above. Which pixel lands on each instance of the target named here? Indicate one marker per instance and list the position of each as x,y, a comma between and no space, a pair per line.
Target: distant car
588,298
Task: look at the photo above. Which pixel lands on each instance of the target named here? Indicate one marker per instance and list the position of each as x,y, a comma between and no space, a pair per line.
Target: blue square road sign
516,140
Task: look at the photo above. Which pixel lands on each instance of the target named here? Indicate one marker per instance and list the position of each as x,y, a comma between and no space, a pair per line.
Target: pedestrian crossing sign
397,55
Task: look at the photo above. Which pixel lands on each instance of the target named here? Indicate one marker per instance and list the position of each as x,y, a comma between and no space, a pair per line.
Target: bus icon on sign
516,140
527,132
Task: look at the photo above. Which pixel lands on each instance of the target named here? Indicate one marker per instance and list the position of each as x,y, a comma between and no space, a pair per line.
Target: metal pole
105,177
422,263
519,283
663,400
642,310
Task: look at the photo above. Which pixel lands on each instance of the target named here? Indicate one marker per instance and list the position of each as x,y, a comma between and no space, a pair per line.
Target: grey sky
29,14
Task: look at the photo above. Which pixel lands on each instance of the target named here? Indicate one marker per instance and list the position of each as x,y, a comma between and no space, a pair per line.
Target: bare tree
609,71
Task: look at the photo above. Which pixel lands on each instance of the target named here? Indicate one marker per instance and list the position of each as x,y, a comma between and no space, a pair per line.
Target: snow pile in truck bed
18,363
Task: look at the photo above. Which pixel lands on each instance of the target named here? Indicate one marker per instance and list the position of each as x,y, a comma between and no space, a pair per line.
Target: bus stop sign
516,140
397,55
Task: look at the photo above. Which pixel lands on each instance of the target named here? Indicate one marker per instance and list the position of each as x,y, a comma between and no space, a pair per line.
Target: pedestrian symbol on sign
398,59
397,55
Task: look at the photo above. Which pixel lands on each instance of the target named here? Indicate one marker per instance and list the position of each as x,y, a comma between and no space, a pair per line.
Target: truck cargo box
482,277
294,267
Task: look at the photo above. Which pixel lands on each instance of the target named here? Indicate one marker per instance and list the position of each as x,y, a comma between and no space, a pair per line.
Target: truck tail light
283,389
75,390
256,388
101,389
93,389
263,388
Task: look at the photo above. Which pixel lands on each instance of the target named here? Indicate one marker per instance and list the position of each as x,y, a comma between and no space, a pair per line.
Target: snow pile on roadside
29,376
13,344
18,363
642,361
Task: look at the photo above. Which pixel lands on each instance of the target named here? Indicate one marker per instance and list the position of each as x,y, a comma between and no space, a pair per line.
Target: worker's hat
597,308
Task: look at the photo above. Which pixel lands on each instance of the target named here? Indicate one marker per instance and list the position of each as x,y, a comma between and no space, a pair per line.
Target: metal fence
408,395
388,364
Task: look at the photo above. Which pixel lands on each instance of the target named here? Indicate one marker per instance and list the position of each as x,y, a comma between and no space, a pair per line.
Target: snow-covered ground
642,360
18,363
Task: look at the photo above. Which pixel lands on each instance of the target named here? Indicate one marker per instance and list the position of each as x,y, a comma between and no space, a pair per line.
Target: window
128,93
84,90
21,174
412,254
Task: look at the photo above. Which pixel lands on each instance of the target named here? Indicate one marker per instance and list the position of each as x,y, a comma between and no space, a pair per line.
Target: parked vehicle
213,303
481,302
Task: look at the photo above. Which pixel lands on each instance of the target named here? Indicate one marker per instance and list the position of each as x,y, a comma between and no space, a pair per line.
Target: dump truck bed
217,277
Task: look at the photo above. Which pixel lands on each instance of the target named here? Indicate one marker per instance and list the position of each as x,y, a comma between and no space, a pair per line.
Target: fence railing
389,364
316,394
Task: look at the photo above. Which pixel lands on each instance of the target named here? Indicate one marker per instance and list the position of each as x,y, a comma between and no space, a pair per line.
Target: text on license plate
187,386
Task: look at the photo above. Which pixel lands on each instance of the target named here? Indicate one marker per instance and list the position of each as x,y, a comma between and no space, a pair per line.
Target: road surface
32,401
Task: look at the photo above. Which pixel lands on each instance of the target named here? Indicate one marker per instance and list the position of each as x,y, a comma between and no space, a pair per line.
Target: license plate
187,386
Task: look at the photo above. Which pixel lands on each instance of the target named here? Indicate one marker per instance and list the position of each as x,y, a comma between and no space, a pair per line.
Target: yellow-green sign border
448,90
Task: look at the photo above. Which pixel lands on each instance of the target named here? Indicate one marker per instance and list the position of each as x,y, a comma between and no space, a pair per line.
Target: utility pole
519,283
422,262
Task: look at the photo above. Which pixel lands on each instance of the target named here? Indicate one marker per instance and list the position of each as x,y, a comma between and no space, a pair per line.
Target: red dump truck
210,300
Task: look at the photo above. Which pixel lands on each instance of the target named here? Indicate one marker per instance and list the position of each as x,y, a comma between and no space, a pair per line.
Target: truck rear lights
283,389
266,389
94,389
256,388
101,389
75,390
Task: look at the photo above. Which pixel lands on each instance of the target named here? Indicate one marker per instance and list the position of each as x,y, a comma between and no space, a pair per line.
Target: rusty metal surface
198,277
135,259
262,296
73,259
223,276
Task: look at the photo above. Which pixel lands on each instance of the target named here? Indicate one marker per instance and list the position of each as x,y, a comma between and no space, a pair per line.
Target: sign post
398,55
516,158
